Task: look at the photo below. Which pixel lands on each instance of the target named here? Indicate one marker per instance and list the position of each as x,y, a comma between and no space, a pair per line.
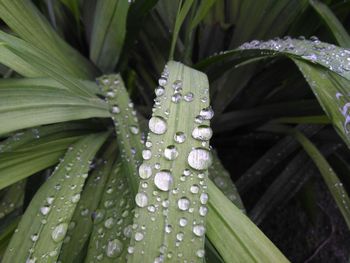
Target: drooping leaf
332,22
26,104
108,33
25,19
44,225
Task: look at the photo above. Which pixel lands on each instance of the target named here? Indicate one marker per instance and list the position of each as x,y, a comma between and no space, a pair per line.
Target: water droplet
200,253
189,97
204,198
179,137
157,125
199,230
176,98
75,198
134,129
207,113
59,232
171,152
183,203
202,133
109,223
45,210
159,91
145,171
203,210
146,154
141,199
114,248
162,81
115,109
199,159
138,236
163,180
177,84
194,189
183,222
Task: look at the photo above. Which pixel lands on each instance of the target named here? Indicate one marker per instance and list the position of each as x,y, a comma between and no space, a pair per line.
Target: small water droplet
199,230
179,137
170,152
59,232
141,199
145,171
183,203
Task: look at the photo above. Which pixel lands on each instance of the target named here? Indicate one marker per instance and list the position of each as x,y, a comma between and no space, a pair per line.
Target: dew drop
45,210
75,198
199,159
163,180
59,232
114,248
183,203
199,230
115,109
159,91
146,154
194,189
141,199
202,133
162,81
170,152
134,129
179,137
189,97
138,236
207,113
145,171
176,98
157,125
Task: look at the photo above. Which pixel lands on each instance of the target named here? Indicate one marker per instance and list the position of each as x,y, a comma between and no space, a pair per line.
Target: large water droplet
183,203
157,125
163,180
199,230
207,113
59,232
141,199
199,159
202,132
114,248
145,171
171,152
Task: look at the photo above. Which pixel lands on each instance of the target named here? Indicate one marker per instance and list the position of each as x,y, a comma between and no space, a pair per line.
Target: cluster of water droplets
124,117
330,56
174,201
63,188
113,219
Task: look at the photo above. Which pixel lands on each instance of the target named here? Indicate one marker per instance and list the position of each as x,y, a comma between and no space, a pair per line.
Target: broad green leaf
126,124
221,178
72,250
331,179
232,233
113,219
171,201
24,105
44,225
108,33
332,22
23,18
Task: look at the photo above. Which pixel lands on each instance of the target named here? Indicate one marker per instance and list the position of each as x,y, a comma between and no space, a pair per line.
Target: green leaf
126,124
12,199
108,33
171,209
27,104
201,12
45,223
222,179
113,219
331,179
232,233
180,17
72,250
332,22
25,19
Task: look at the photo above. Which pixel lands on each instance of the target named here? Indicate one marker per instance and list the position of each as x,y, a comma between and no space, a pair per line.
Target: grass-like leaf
108,33
172,194
44,225
12,199
77,237
113,219
25,19
27,104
